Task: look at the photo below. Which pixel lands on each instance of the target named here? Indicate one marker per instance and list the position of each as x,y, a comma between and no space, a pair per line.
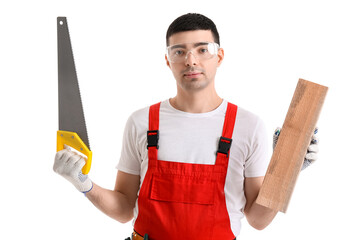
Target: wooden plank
288,156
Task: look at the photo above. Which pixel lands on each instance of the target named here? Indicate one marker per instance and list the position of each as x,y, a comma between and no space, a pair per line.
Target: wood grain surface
291,148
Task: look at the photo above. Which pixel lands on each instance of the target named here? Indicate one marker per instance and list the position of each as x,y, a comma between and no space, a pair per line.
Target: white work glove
69,164
312,151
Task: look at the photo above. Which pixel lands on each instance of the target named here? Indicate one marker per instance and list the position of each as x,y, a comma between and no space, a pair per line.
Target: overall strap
229,122
153,133
226,138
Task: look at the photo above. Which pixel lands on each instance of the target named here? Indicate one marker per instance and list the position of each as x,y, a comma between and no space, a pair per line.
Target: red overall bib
183,200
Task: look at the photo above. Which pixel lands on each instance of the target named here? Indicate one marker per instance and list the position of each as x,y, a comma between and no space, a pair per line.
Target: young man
192,166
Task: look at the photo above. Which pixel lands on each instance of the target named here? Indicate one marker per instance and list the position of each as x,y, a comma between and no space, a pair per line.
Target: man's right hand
69,164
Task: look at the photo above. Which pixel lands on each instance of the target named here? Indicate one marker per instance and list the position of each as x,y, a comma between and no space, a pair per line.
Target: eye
178,53
203,50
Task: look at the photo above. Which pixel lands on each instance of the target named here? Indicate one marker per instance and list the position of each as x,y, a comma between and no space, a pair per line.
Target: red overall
183,200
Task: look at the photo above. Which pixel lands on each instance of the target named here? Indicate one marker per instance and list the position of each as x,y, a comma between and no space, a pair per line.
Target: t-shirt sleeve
130,159
258,159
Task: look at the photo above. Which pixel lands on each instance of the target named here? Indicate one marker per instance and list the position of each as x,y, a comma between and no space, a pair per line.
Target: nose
190,59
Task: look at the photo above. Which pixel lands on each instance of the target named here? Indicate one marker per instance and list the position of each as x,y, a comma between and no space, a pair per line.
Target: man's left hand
312,151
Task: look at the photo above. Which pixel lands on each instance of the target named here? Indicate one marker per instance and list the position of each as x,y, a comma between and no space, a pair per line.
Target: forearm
113,203
259,216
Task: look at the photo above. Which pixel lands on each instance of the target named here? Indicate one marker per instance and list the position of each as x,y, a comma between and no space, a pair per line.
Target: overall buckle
224,146
153,139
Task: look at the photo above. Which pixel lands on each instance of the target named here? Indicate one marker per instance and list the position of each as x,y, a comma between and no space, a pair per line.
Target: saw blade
71,114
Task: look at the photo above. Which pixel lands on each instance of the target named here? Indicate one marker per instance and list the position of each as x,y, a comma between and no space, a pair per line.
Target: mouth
192,74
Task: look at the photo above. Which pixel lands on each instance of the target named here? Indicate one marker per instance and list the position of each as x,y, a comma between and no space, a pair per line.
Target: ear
220,56
167,62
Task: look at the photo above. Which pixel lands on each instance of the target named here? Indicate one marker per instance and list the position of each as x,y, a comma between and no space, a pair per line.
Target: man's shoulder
141,114
247,122
243,114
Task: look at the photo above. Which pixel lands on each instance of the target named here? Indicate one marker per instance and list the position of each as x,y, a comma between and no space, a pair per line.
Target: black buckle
153,138
224,145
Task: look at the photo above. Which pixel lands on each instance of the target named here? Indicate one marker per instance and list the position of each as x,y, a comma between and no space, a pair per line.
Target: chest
191,140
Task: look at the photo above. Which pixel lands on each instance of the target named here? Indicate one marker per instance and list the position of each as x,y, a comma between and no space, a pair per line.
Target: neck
198,102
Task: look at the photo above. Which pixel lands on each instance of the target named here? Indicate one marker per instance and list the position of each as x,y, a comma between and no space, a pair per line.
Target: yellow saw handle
73,140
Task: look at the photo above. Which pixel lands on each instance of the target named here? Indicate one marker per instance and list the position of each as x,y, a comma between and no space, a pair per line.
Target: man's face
194,73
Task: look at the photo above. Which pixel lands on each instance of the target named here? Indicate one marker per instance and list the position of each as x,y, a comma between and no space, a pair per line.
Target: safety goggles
201,51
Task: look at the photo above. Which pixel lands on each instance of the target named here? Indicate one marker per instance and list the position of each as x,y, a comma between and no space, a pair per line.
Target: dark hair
190,22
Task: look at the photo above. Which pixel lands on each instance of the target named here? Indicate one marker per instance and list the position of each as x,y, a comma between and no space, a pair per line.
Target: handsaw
72,128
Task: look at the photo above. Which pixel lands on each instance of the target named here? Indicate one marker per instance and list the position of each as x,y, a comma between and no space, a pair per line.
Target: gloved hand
69,164
311,155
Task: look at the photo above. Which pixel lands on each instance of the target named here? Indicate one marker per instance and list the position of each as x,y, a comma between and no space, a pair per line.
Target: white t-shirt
193,138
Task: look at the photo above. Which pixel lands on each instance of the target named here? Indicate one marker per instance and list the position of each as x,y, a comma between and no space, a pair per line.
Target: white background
119,54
